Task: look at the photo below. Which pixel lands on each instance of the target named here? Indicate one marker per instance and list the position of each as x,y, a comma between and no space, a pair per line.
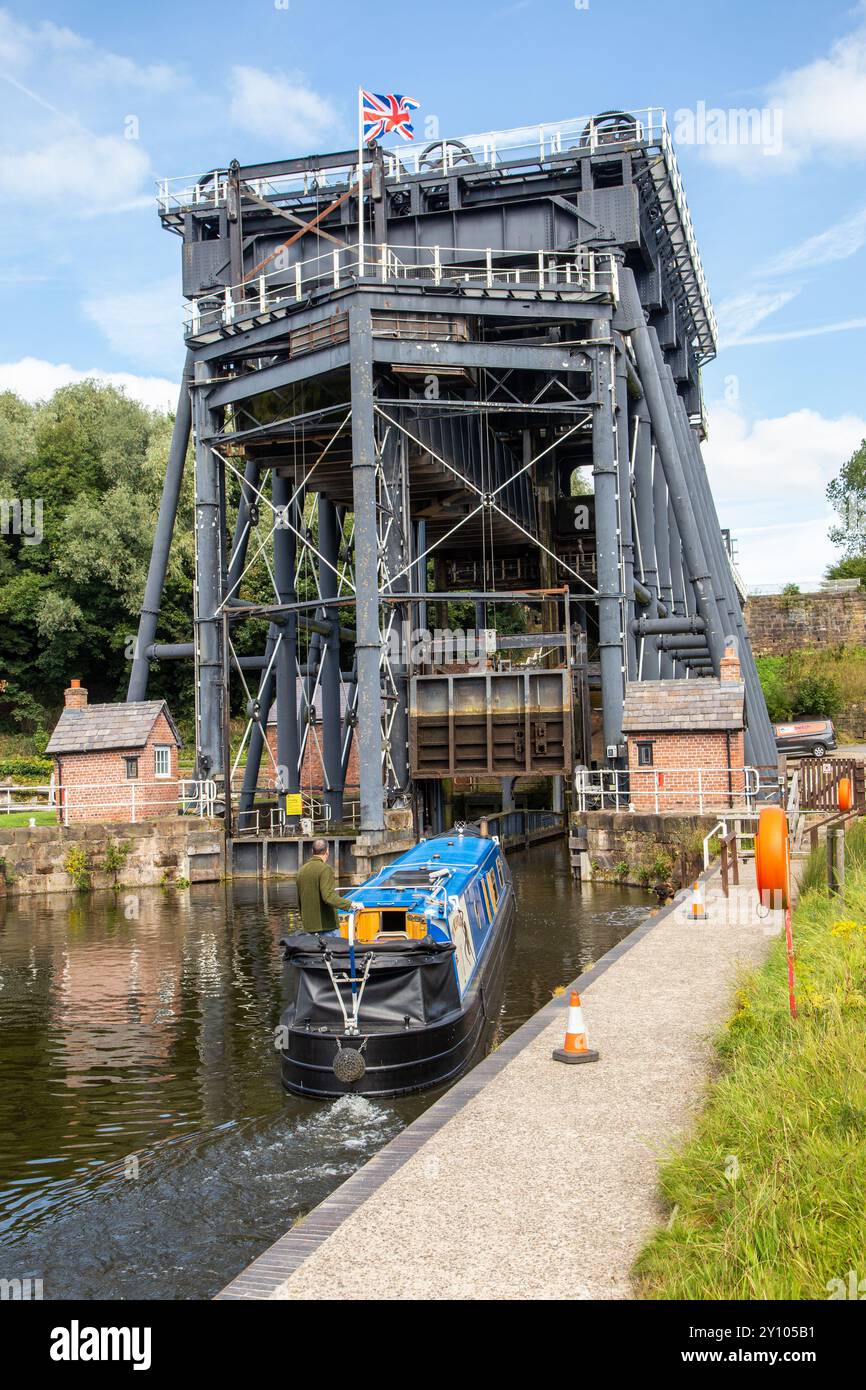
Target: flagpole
360,182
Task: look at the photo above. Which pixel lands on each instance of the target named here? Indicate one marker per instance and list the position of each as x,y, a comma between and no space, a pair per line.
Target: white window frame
157,749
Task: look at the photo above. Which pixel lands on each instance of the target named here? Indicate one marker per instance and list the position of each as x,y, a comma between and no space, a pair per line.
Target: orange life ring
846,794
772,858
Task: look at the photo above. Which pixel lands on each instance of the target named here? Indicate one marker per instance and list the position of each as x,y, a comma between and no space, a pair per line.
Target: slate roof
683,706
98,727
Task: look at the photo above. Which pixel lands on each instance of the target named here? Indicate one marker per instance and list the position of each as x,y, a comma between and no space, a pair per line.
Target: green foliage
661,866
26,767
847,495
116,855
69,605
852,567
790,589
77,866
790,689
818,695
621,869
766,1195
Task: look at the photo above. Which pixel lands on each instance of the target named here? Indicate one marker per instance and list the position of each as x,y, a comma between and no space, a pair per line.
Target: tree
853,567
847,494
95,461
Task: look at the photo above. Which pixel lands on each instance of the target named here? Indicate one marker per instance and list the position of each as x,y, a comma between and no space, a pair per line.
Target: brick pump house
685,741
114,762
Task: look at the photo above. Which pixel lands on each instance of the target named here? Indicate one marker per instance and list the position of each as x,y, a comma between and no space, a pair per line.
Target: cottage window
644,755
162,760
131,769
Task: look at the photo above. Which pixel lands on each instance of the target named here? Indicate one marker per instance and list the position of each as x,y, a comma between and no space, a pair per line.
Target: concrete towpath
529,1179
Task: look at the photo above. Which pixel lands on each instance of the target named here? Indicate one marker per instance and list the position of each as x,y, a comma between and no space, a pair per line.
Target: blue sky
91,284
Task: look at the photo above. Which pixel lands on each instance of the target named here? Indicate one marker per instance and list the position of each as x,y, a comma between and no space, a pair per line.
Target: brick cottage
114,762
685,741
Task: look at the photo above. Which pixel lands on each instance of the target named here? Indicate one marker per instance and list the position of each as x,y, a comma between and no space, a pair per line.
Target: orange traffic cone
575,1048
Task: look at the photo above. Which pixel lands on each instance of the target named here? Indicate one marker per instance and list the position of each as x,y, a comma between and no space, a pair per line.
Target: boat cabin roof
454,859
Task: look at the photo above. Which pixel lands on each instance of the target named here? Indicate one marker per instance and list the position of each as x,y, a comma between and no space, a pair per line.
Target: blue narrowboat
400,997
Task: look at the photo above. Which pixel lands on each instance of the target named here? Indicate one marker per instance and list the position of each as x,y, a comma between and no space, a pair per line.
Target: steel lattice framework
529,305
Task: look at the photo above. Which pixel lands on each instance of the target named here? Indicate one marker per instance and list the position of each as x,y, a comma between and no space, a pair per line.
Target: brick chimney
75,697
729,666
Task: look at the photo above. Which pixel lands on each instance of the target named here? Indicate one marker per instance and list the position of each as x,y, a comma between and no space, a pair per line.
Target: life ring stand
846,794
773,858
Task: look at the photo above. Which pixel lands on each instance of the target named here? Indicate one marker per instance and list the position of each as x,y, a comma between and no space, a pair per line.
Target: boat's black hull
413,1059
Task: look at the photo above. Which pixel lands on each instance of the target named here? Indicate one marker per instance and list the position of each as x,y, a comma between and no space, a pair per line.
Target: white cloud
144,324
837,243
743,312
817,109
23,45
34,379
85,175
793,334
824,102
282,107
769,480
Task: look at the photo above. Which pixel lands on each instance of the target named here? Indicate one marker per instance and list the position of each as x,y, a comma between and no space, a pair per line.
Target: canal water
147,1149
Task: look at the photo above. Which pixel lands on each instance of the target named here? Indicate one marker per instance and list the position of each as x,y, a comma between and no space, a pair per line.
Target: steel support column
158,565
208,586
662,547
604,469
368,640
643,500
332,727
288,750
692,545
624,489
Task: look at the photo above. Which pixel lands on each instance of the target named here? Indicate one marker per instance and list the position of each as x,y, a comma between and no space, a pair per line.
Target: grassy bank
766,1198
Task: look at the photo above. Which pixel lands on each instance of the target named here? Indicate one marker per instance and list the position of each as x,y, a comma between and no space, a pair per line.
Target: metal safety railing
591,272
661,789
268,818
93,801
534,147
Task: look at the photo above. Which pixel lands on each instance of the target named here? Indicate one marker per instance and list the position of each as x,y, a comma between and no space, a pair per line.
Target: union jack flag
388,113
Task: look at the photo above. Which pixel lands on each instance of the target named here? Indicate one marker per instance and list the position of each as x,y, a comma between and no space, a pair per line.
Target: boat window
486,897
494,891
393,922
408,878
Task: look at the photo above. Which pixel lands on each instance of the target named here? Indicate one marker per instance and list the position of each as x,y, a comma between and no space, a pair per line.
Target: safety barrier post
836,858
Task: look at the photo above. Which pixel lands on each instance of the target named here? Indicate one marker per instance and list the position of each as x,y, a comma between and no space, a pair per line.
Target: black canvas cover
407,979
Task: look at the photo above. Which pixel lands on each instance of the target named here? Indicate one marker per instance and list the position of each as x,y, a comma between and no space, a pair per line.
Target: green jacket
318,899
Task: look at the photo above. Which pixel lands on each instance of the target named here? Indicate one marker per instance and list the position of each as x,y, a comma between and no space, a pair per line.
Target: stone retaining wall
782,623
33,859
627,846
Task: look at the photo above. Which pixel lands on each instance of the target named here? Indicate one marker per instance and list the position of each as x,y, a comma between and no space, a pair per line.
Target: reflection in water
146,1147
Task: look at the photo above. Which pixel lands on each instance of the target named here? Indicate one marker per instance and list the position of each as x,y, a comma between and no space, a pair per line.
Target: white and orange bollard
575,1048
698,908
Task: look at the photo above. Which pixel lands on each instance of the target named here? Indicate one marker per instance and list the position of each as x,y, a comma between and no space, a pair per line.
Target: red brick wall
312,771
94,786
672,783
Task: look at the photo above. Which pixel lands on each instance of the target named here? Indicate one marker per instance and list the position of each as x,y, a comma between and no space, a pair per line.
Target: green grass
765,1199
15,818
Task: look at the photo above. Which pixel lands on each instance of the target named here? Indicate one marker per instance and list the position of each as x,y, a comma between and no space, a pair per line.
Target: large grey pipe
156,570
646,548
610,637
761,746
693,550
663,561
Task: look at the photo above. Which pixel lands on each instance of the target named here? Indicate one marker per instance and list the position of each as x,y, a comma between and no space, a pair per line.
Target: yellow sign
294,804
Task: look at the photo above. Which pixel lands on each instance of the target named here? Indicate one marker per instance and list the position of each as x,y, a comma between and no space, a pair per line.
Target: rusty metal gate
501,722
